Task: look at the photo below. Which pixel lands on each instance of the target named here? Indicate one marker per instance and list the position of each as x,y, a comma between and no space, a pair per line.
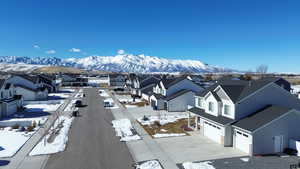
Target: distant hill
59,69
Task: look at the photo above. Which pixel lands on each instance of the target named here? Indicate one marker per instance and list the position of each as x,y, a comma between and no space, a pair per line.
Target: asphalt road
92,141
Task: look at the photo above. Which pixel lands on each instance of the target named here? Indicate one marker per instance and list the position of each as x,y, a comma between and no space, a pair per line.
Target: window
1,94
10,94
200,102
211,106
226,109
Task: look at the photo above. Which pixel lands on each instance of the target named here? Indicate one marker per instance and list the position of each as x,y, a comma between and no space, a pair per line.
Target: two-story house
174,94
9,101
29,86
243,114
140,83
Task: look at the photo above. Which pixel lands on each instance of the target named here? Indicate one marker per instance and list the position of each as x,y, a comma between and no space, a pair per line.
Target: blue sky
240,34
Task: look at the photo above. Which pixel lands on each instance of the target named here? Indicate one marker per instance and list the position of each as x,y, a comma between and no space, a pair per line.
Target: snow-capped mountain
119,63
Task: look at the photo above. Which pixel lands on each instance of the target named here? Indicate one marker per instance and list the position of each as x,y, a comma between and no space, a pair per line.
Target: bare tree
262,69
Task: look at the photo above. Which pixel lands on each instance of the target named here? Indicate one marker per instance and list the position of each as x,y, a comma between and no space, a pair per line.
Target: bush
34,124
16,126
30,128
157,123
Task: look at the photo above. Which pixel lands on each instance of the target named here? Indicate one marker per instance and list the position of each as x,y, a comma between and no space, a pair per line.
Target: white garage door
212,131
242,141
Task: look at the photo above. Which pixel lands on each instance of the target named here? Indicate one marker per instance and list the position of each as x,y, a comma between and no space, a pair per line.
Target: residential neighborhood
175,120
139,84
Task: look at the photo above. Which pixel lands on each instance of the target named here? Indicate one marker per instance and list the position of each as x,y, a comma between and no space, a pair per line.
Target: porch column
196,123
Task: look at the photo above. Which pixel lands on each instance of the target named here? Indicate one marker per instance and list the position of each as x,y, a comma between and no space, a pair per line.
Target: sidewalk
21,158
147,148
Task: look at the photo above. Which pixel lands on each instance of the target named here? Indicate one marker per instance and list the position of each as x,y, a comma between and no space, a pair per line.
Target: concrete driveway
195,148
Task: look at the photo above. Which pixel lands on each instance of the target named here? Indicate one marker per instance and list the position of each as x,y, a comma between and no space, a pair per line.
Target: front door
278,144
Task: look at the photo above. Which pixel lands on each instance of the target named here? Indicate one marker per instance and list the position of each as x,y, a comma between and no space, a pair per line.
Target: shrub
30,128
15,126
34,124
157,123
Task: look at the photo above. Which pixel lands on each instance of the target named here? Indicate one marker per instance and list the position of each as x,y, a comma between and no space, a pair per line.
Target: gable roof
171,81
237,89
148,81
261,117
33,79
2,81
177,94
218,119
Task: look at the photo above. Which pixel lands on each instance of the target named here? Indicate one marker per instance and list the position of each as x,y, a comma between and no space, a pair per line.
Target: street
92,142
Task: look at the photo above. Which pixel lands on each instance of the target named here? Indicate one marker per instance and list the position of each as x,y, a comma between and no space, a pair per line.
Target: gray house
9,101
225,110
117,80
174,94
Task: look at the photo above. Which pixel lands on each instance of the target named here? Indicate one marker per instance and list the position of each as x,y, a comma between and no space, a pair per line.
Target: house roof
261,117
148,89
177,94
34,79
2,81
171,81
237,89
148,81
25,87
218,119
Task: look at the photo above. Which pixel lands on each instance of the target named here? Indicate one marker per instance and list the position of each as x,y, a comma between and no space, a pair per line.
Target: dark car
78,103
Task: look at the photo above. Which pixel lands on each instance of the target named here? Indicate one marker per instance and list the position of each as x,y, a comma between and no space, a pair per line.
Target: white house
222,111
176,90
30,87
9,101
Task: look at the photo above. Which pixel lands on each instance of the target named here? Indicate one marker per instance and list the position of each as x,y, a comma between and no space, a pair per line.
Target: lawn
169,129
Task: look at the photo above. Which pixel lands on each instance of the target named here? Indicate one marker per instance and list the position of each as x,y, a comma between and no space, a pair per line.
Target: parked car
78,103
108,103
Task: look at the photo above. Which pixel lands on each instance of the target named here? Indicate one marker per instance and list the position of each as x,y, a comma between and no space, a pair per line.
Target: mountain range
119,63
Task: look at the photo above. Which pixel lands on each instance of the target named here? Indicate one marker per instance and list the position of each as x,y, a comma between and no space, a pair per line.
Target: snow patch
125,130
151,164
161,135
60,141
200,165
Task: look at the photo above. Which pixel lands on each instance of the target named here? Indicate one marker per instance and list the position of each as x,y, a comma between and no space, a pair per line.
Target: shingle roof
171,81
177,94
237,89
2,81
261,117
148,89
218,119
148,81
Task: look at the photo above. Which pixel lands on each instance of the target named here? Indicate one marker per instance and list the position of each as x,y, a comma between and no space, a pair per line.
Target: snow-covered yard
296,88
11,140
163,118
151,164
125,130
200,165
42,107
60,140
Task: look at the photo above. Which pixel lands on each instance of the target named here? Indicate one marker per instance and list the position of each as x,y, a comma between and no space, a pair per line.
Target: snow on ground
103,93
61,95
161,135
42,107
245,159
67,90
151,164
296,88
131,106
125,130
129,100
200,165
163,118
12,141
60,141
71,105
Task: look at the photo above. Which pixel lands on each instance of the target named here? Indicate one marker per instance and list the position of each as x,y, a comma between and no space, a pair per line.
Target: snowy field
151,164
60,141
125,130
200,165
11,140
163,118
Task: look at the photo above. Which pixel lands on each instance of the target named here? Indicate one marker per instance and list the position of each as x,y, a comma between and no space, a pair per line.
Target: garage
212,131
242,141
